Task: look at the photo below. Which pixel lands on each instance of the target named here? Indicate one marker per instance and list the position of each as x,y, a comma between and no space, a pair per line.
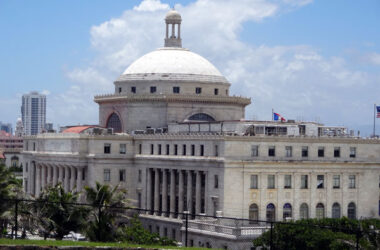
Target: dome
172,61
173,15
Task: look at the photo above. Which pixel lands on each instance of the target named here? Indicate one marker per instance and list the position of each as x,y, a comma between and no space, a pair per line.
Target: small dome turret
173,18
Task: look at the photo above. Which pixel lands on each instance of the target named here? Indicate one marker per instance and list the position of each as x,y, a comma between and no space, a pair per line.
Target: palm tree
9,187
109,204
57,212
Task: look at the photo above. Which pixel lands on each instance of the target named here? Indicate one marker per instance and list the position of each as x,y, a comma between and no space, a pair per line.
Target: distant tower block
172,19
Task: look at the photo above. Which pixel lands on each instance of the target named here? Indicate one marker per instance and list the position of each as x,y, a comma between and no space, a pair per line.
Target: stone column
38,180
164,192
32,178
72,178
173,31
189,192
172,192
60,174
67,180
149,189
180,192
79,179
48,179
198,193
156,190
55,175
43,176
179,31
167,30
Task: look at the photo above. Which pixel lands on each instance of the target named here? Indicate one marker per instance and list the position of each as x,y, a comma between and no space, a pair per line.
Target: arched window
271,212
201,117
14,161
114,122
336,211
320,211
253,213
351,211
287,211
304,211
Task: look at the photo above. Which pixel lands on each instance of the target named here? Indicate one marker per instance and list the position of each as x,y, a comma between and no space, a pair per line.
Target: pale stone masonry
176,139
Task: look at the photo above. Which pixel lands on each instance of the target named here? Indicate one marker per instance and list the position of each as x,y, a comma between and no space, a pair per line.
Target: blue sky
309,60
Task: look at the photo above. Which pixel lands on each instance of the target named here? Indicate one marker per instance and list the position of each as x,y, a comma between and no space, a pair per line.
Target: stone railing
217,226
172,98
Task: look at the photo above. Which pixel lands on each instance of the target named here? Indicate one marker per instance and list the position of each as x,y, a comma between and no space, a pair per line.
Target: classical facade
177,140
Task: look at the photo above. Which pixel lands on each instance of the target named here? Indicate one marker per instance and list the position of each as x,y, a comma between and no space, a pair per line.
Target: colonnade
42,175
189,192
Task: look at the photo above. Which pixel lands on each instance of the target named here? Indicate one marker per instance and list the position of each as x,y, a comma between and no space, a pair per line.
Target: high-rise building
33,111
7,127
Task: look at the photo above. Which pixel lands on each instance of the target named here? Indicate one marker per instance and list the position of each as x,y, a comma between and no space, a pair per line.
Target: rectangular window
352,181
139,176
336,181
216,91
198,90
337,152
216,181
107,148
254,182
254,150
176,90
288,181
133,90
202,153
140,148
107,175
288,151
153,89
139,200
271,180
119,90
305,151
151,149
352,152
184,149
304,181
123,149
216,153
321,152
175,149
272,151
320,181
159,149
167,149
192,149
122,175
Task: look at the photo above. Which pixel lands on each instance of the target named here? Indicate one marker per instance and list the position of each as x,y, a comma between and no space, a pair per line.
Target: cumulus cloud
296,81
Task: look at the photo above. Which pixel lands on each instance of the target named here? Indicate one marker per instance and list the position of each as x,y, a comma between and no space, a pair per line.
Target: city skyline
306,60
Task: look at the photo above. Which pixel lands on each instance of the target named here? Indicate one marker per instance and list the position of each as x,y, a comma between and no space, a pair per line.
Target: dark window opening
201,117
216,91
133,90
153,89
176,90
198,90
107,148
114,123
337,152
203,151
272,151
321,152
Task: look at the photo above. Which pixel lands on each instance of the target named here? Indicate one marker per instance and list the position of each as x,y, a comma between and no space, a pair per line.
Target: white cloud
374,58
295,80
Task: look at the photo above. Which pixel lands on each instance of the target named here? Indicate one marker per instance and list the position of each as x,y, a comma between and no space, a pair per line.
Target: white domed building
169,85
172,121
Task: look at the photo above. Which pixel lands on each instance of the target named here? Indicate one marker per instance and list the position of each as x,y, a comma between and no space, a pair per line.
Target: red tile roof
77,129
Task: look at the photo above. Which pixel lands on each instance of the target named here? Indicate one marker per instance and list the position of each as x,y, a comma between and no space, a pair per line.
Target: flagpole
374,120
272,115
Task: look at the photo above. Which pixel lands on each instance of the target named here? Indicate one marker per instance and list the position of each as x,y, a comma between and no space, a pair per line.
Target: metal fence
196,230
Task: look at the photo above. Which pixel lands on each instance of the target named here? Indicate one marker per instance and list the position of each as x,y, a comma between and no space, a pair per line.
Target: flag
378,111
277,116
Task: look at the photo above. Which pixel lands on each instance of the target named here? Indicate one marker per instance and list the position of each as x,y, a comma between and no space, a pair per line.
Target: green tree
108,206
57,214
9,188
134,232
322,234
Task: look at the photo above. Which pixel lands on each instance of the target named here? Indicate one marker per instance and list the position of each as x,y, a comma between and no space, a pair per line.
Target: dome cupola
172,19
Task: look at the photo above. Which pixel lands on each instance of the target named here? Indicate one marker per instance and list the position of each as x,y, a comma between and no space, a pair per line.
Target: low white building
178,142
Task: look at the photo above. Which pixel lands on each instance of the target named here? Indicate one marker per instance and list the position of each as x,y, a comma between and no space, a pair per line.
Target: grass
84,243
